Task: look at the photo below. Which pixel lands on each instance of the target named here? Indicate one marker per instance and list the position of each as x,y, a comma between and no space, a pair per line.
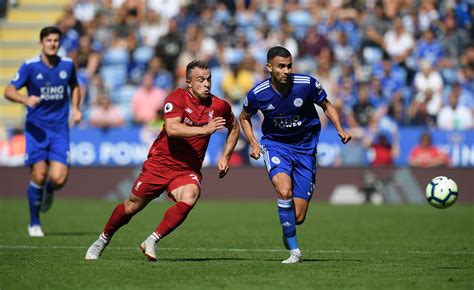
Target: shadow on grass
218,259
203,259
71,234
319,260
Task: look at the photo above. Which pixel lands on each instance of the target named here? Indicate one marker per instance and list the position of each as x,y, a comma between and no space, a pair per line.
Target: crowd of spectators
385,64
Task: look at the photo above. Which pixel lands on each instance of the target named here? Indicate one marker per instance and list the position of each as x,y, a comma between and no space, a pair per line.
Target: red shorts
152,182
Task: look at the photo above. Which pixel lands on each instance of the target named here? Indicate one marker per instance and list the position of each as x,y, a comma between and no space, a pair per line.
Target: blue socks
35,194
286,212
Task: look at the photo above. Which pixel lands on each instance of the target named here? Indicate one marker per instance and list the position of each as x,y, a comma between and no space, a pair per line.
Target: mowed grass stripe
237,245
28,247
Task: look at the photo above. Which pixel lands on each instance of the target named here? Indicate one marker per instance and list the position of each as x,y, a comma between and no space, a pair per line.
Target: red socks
118,219
174,216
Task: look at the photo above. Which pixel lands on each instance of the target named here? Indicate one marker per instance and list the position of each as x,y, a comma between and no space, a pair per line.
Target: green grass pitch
237,245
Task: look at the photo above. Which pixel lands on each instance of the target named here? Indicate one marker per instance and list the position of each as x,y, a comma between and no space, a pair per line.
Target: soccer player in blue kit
290,128
52,87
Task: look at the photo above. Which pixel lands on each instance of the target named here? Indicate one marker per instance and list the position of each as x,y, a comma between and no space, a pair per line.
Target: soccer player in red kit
174,161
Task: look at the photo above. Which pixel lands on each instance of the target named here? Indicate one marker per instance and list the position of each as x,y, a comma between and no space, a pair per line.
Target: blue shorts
46,144
299,166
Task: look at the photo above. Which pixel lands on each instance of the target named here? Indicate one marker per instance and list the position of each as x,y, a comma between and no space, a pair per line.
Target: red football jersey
187,153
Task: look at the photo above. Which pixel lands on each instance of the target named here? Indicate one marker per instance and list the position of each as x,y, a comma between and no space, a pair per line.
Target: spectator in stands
153,28
452,39
419,113
429,49
374,25
104,114
237,81
429,87
343,51
362,112
313,43
399,44
380,150
425,154
427,15
170,45
147,100
163,79
454,116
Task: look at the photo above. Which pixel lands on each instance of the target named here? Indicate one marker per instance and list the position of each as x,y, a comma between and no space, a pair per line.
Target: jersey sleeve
250,103
21,77
317,90
174,104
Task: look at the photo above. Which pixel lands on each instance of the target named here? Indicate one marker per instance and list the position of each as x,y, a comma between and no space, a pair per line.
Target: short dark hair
202,64
277,51
50,30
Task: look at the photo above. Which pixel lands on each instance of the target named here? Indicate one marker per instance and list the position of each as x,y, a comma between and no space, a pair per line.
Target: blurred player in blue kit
52,88
290,128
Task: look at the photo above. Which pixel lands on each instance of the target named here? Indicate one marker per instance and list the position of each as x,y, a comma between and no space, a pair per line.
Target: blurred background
400,72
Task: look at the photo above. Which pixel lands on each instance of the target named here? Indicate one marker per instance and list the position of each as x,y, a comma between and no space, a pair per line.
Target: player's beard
50,51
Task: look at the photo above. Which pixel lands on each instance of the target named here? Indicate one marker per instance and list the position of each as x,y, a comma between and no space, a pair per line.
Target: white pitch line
29,247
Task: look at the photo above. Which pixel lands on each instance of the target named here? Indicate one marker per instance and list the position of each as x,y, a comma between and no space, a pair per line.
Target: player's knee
285,193
300,219
38,177
133,206
190,197
58,180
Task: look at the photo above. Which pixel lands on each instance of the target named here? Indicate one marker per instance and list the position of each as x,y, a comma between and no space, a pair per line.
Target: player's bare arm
177,129
12,94
332,115
76,104
246,123
232,138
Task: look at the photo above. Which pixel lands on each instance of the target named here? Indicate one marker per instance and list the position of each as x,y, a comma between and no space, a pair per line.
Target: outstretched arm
232,138
12,94
176,129
246,123
332,115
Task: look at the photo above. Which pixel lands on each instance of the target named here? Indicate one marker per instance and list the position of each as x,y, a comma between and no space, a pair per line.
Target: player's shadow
203,259
252,259
320,260
71,234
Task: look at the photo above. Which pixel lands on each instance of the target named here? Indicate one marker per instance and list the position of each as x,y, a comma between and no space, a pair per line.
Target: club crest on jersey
275,160
39,76
138,185
63,74
318,85
211,114
168,107
298,102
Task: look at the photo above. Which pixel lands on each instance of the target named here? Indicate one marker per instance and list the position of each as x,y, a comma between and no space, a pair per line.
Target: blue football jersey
52,85
290,120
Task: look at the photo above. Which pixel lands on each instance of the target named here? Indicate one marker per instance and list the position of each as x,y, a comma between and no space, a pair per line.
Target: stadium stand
407,55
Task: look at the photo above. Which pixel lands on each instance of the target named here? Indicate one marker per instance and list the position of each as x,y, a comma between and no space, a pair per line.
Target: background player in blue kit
51,82
290,128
